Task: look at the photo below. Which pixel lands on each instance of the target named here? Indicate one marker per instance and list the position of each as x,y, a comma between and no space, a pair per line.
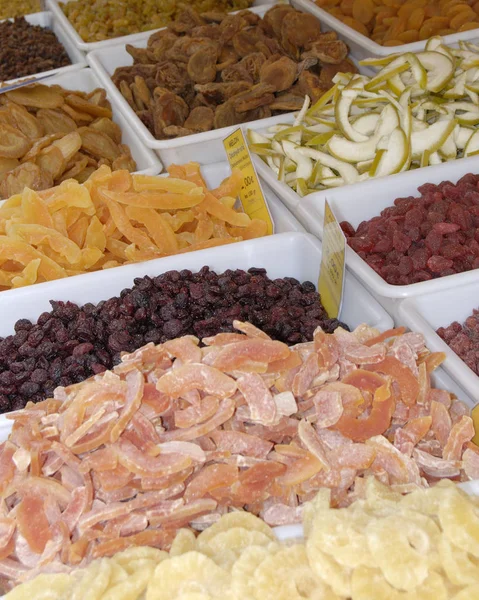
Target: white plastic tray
363,47
85,80
362,201
45,19
426,314
55,8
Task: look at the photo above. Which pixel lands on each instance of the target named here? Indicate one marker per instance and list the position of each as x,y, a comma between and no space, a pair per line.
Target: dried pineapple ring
94,581
242,572
190,572
285,576
401,547
185,541
459,519
327,569
226,546
470,593
460,568
234,519
58,585
341,534
365,579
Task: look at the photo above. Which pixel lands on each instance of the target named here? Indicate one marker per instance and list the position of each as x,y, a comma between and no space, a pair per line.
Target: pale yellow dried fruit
51,160
366,579
185,541
36,96
109,127
85,106
188,573
98,144
13,143
28,124
55,121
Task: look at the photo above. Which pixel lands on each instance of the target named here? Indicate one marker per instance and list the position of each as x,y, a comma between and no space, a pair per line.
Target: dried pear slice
51,160
7,164
36,96
109,127
43,142
98,144
55,121
69,145
13,143
27,123
88,107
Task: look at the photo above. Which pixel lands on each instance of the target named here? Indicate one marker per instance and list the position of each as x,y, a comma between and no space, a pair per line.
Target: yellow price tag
475,420
331,275
251,194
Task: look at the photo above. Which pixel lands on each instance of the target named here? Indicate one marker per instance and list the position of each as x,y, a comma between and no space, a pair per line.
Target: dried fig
202,65
329,71
331,52
258,95
253,63
200,119
279,74
217,93
310,85
273,19
13,144
244,42
287,101
298,31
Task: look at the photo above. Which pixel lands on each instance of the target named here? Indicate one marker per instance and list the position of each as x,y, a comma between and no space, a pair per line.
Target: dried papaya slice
378,421
402,375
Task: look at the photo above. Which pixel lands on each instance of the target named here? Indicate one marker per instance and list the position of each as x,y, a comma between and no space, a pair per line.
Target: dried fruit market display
418,239
70,343
28,49
212,70
418,110
178,435
99,20
50,135
396,23
239,556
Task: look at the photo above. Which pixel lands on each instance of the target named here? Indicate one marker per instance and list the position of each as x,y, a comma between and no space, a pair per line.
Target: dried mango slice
23,253
95,236
230,186
29,274
37,235
165,184
158,200
35,210
158,228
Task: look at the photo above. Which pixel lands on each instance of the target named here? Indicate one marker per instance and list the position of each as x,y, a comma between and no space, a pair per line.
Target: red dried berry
445,228
433,241
347,228
438,263
401,242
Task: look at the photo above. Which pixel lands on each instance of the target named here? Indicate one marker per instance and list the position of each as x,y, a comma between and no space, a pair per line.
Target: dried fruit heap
419,239
49,134
116,218
69,344
28,49
98,20
463,339
209,71
177,435
367,546
393,23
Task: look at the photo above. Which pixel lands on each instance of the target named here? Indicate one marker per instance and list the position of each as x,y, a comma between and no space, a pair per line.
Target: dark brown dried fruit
280,74
238,66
